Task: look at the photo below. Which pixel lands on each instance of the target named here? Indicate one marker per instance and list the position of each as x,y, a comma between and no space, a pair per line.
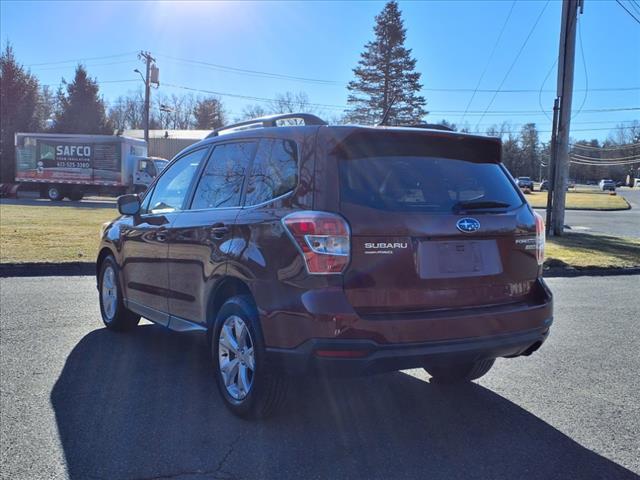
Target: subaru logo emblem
468,225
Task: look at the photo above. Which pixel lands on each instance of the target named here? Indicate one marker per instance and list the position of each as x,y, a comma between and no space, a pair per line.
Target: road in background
621,223
78,401
89,202
33,199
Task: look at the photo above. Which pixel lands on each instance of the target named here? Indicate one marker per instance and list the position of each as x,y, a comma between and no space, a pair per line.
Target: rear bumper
377,358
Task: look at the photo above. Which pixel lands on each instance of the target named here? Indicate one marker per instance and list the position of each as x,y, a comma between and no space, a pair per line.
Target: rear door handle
219,230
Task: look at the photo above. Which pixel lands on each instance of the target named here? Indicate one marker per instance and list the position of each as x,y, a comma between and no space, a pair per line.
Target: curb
560,272
66,269
70,269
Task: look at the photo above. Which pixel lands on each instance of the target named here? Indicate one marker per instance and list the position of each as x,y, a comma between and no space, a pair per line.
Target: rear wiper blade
479,205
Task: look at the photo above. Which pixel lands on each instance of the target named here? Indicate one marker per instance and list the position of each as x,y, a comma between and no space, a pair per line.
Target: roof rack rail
433,126
269,121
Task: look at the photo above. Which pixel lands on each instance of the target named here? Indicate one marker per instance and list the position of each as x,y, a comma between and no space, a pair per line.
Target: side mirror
129,204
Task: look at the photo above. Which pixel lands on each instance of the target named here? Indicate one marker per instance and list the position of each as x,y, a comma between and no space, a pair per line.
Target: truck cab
146,169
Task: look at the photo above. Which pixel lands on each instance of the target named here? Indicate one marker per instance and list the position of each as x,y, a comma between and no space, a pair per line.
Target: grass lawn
68,234
594,200
582,250
50,233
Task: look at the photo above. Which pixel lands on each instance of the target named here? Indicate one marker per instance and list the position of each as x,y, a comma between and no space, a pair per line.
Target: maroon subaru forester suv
303,248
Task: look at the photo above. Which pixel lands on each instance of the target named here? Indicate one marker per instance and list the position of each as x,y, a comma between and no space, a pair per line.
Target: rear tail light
323,239
540,238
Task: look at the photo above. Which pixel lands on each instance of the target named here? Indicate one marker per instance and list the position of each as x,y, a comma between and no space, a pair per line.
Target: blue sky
451,40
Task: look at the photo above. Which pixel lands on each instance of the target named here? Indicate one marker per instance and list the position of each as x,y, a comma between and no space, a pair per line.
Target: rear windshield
429,184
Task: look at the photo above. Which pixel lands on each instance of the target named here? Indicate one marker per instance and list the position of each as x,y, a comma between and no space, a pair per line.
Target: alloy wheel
236,358
109,293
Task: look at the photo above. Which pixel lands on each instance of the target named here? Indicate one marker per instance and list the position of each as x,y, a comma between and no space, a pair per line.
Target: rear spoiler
427,143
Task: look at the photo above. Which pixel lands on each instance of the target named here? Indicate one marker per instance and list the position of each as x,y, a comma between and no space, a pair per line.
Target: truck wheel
247,387
459,373
76,195
114,314
54,193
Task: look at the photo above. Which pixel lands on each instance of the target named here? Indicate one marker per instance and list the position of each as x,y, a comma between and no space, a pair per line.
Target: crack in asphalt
226,456
217,474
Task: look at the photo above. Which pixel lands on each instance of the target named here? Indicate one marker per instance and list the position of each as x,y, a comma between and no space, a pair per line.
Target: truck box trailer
72,165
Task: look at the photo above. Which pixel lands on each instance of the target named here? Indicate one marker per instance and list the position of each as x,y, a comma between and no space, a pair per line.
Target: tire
460,373
114,314
54,193
76,195
262,392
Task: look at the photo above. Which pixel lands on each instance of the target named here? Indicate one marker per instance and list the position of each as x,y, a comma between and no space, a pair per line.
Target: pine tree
386,79
81,110
46,107
209,114
18,109
530,148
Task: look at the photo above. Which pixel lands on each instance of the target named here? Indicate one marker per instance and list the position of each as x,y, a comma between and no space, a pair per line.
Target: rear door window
223,177
274,171
426,184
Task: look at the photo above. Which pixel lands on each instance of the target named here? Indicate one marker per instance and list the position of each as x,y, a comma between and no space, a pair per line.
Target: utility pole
552,165
566,60
149,60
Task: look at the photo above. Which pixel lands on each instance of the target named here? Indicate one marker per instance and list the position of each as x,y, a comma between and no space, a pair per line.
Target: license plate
456,259
459,257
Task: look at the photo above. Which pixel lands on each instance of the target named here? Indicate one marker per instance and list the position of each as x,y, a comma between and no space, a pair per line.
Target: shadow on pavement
144,405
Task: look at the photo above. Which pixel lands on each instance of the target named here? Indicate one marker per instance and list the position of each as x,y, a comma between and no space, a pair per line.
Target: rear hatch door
436,222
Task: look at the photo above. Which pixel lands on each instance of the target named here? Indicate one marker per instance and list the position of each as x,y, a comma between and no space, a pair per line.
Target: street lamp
141,76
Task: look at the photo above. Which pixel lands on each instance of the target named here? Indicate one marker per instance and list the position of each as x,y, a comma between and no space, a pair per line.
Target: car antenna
387,112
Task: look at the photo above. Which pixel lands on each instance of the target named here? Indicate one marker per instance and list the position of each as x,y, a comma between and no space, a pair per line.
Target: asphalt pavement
80,402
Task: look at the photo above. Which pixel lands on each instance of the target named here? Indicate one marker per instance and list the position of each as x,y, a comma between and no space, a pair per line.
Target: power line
582,157
259,73
634,5
343,107
586,75
318,81
87,65
628,11
541,87
535,112
606,149
493,51
516,132
245,71
528,90
605,164
598,122
515,60
82,59
99,83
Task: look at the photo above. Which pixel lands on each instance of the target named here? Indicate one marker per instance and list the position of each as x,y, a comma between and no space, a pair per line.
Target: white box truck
70,165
